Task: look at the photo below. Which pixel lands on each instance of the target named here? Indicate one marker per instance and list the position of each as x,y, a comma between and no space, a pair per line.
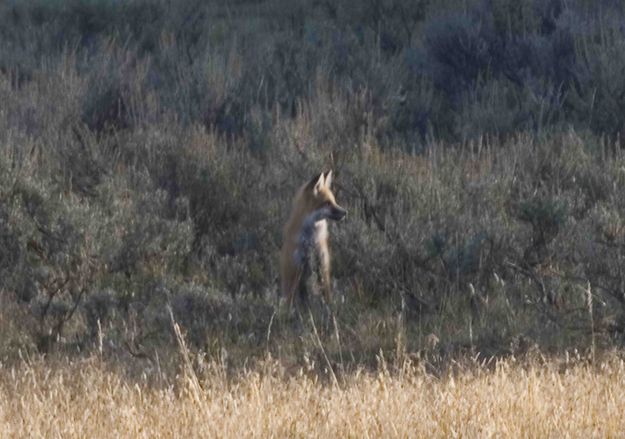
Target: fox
306,231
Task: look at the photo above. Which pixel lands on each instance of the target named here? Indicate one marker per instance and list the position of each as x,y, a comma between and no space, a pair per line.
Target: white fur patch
321,231
314,231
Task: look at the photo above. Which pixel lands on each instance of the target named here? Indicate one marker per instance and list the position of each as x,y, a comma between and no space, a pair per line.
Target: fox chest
312,234
321,232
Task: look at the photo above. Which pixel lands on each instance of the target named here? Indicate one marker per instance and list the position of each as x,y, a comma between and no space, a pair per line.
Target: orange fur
313,205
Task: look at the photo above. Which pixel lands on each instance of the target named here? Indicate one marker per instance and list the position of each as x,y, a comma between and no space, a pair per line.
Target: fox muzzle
338,213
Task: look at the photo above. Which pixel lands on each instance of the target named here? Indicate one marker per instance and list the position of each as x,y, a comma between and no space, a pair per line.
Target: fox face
320,197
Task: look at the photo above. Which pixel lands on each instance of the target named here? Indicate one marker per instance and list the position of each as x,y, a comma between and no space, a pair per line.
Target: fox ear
316,183
328,179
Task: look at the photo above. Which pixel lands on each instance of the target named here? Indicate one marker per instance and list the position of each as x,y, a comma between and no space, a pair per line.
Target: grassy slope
505,400
148,151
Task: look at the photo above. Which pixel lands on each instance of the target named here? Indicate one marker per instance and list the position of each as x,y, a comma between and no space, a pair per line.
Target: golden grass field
87,399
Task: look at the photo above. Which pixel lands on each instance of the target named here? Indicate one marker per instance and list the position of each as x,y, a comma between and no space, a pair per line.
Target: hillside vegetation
149,151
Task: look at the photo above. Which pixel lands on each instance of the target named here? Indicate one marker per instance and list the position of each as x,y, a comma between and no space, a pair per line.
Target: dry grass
509,400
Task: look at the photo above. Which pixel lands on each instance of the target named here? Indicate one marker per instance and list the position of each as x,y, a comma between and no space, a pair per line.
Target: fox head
319,196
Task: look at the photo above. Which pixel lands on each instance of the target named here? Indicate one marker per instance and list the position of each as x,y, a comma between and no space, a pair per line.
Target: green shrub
149,151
